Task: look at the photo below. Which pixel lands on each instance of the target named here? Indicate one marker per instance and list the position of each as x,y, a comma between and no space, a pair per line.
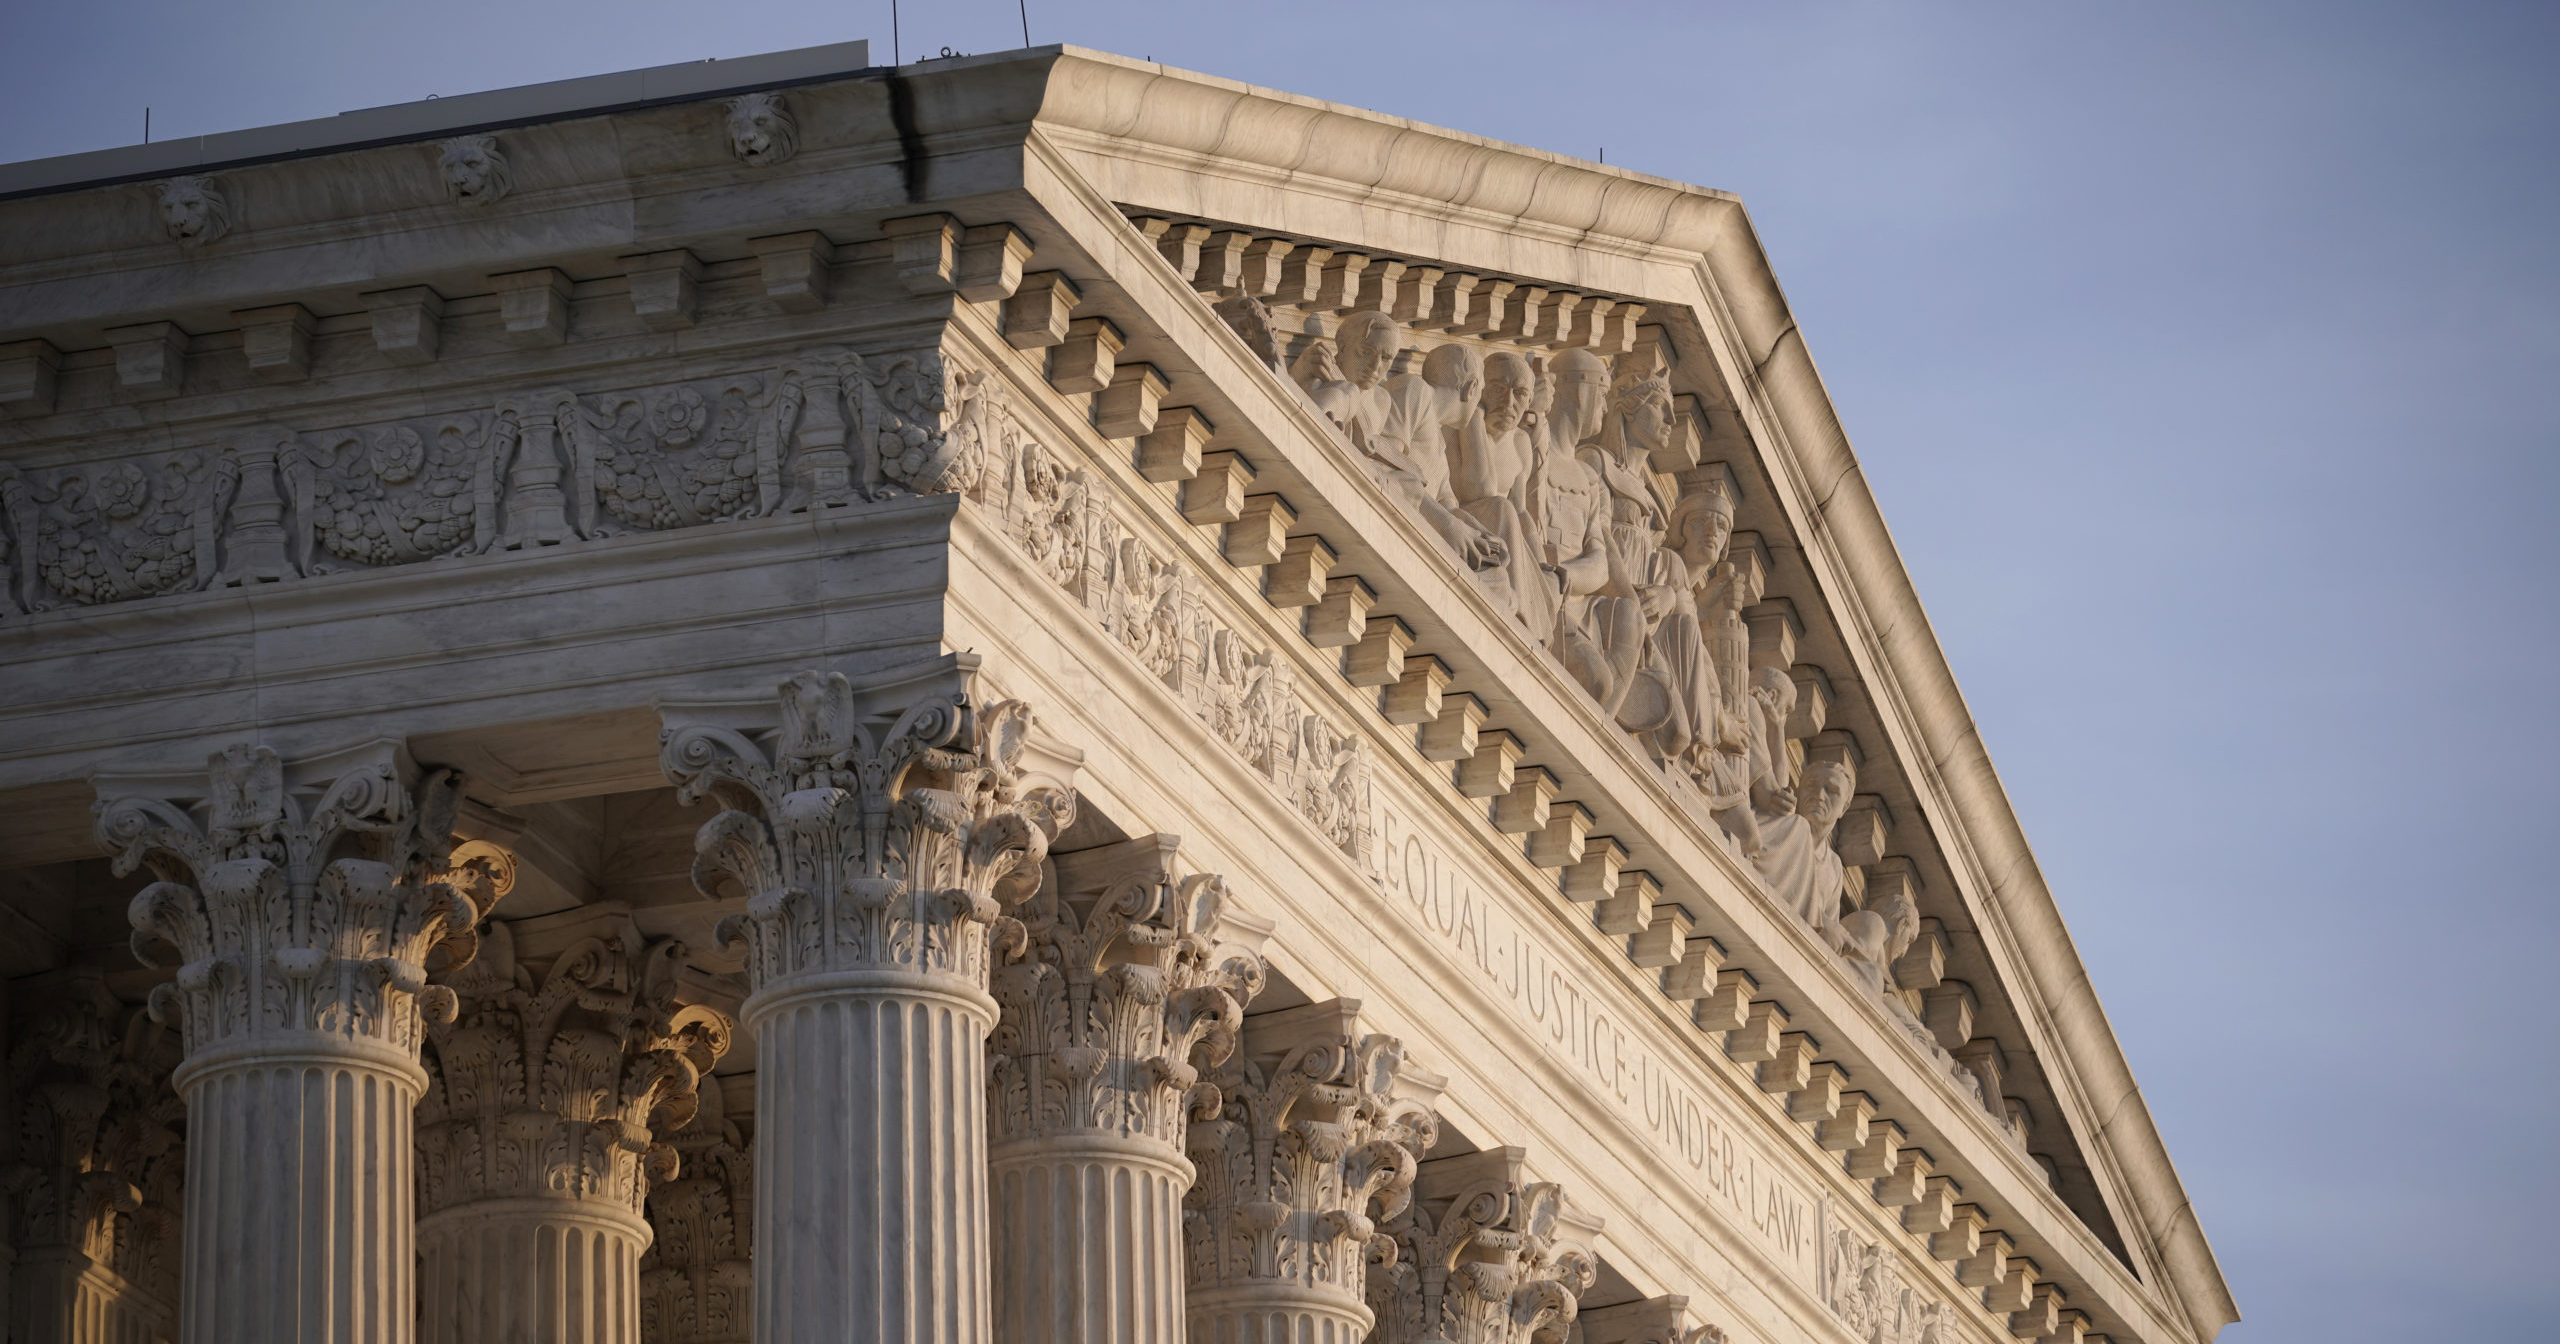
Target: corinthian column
536,1142
303,920
873,835
1120,986
695,1280
1316,1125
97,1165
1482,1255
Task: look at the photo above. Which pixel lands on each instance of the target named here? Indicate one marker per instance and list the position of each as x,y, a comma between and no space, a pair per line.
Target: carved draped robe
1801,869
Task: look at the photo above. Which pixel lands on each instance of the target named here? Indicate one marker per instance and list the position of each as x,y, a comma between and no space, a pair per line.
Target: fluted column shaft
1089,1241
535,1271
1316,1131
871,1159
876,839
1272,1313
298,1215
300,910
61,1296
537,1138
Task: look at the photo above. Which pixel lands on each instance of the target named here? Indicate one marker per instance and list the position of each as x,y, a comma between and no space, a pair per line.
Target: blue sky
2193,352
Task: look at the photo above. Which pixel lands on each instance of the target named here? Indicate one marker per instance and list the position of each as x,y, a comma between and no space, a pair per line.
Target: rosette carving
868,837
299,911
1304,1143
1481,1255
553,1084
391,495
696,1282
1122,991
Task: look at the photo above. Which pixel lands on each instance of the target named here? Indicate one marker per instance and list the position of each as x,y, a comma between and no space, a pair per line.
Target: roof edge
393,123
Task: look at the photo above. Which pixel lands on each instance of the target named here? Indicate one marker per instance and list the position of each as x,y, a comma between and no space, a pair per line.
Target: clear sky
2191,350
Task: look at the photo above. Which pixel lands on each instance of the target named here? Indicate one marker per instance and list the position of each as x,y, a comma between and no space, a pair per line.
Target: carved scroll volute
1309,1137
561,1081
869,831
296,908
1121,992
1481,1255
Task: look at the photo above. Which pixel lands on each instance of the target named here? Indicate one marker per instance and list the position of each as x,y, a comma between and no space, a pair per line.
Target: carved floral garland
828,426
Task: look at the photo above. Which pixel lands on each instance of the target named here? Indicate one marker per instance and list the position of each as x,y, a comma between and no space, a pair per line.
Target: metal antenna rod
896,56
1026,22
146,125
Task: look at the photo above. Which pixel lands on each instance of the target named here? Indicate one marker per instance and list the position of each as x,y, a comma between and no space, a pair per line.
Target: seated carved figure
1601,628
1796,860
1492,475
1713,733
1872,938
1346,377
1407,448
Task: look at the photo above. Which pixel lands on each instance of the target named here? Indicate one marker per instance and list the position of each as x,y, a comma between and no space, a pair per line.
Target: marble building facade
1023,699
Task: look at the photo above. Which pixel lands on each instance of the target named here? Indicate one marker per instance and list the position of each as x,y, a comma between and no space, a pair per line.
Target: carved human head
1458,372
1250,320
1824,796
1581,394
1509,383
762,131
1641,398
1775,688
475,170
1702,525
1370,342
193,210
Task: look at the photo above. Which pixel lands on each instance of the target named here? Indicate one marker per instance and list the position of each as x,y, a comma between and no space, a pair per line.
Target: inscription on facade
1700,1139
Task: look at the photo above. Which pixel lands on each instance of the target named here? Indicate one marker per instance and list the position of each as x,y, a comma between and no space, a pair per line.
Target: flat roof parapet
436,116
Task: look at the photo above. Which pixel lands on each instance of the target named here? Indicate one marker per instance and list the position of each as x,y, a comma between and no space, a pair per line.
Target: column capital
877,830
567,1056
100,1161
695,1280
305,903
1121,986
1483,1254
1316,1130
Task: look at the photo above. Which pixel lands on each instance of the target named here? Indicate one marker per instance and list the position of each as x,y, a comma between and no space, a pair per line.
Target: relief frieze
1241,689
823,427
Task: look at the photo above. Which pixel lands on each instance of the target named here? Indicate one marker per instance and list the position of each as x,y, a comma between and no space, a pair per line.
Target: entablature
987,241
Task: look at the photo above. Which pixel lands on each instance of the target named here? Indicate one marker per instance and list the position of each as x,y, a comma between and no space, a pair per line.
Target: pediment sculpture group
1538,471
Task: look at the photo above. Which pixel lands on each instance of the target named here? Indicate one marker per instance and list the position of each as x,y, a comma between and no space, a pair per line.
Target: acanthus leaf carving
1121,993
872,832
696,1280
99,1144
1481,1255
296,909
555,1083
1309,1137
